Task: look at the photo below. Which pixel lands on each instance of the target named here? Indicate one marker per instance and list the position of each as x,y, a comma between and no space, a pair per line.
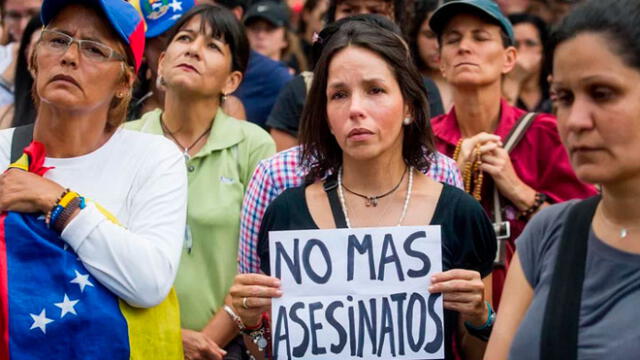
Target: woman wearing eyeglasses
116,198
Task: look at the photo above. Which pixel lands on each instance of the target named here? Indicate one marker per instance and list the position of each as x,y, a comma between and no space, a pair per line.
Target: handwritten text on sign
357,293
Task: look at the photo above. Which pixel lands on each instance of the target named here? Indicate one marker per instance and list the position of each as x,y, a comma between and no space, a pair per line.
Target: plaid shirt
283,171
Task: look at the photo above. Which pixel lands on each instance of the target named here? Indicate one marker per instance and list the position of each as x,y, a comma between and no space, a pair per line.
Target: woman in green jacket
202,64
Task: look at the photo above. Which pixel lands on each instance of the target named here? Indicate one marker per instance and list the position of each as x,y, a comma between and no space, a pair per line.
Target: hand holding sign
357,293
463,291
251,295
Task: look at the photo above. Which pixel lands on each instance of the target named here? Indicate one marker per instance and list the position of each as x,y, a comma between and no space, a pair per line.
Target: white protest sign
357,293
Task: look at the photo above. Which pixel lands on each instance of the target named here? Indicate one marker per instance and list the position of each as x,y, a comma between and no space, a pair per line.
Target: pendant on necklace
623,233
186,155
372,201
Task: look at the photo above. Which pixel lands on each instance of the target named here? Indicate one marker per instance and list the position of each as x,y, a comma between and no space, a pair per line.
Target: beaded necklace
472,175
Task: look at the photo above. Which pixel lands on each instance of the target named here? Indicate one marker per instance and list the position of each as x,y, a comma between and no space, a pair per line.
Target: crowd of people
161,141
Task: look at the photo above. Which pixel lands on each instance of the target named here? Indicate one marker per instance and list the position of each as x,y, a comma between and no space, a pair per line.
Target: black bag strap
503,228
331,188
22,137
559,340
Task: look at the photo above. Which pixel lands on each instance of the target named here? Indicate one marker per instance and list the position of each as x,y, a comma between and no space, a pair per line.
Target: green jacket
218,177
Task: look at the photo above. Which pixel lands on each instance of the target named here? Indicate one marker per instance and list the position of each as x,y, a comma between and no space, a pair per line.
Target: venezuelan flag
51,307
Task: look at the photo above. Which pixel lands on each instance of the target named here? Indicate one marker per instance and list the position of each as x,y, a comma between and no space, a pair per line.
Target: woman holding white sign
372,134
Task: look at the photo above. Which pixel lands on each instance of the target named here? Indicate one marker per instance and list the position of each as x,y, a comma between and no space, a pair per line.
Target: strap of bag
331,188
22,137
502,228
559,340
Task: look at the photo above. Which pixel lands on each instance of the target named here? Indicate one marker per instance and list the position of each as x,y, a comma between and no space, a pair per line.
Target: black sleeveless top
468,238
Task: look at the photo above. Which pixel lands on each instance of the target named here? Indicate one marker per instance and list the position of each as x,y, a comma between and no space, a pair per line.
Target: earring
160,82
407,121
223,98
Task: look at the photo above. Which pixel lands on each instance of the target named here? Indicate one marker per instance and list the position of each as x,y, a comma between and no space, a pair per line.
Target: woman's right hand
197,346
487,142
251,295
26,192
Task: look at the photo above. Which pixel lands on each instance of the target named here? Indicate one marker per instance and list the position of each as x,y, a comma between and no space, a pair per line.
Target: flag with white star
51,307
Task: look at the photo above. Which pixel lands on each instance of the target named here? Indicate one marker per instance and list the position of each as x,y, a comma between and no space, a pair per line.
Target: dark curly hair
321,153
224,26
617,20
402,12
423,9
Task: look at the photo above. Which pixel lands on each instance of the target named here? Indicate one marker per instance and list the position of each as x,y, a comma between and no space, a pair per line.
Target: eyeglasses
58,42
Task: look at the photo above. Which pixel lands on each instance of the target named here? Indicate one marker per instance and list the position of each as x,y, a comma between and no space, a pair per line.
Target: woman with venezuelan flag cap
90,236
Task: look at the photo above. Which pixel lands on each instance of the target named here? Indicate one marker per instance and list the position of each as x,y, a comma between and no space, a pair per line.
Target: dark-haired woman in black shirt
371,135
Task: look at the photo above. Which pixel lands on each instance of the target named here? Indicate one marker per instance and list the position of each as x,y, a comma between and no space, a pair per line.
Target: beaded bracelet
63,208
55,206
540,199
61,205
61,221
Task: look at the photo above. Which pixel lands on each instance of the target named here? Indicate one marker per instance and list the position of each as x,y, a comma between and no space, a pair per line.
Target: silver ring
244,303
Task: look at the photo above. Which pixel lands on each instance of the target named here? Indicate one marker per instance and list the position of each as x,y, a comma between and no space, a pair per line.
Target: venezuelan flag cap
161,15
123,17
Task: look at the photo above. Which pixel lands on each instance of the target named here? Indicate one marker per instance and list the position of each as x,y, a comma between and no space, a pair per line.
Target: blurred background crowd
281,35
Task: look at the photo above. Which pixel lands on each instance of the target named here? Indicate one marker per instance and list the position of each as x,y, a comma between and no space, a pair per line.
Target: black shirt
287,111
468,238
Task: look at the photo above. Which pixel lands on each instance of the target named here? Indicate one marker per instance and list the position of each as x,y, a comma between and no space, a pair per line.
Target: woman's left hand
26,192
462,291
497,163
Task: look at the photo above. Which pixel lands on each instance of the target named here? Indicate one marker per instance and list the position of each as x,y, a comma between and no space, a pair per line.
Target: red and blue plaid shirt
283,171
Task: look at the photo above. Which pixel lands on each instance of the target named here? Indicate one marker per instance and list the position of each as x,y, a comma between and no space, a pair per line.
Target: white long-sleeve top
141,180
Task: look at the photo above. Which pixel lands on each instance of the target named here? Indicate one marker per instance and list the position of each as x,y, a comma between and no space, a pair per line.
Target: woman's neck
188,116
375,176
277,56
477,109
621,202
531,92
444,87
432,74
67,134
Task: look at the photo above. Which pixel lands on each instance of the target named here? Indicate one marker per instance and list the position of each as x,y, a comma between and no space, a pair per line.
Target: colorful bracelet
539,200
61,205
261,334
55,207
61,220
63,209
